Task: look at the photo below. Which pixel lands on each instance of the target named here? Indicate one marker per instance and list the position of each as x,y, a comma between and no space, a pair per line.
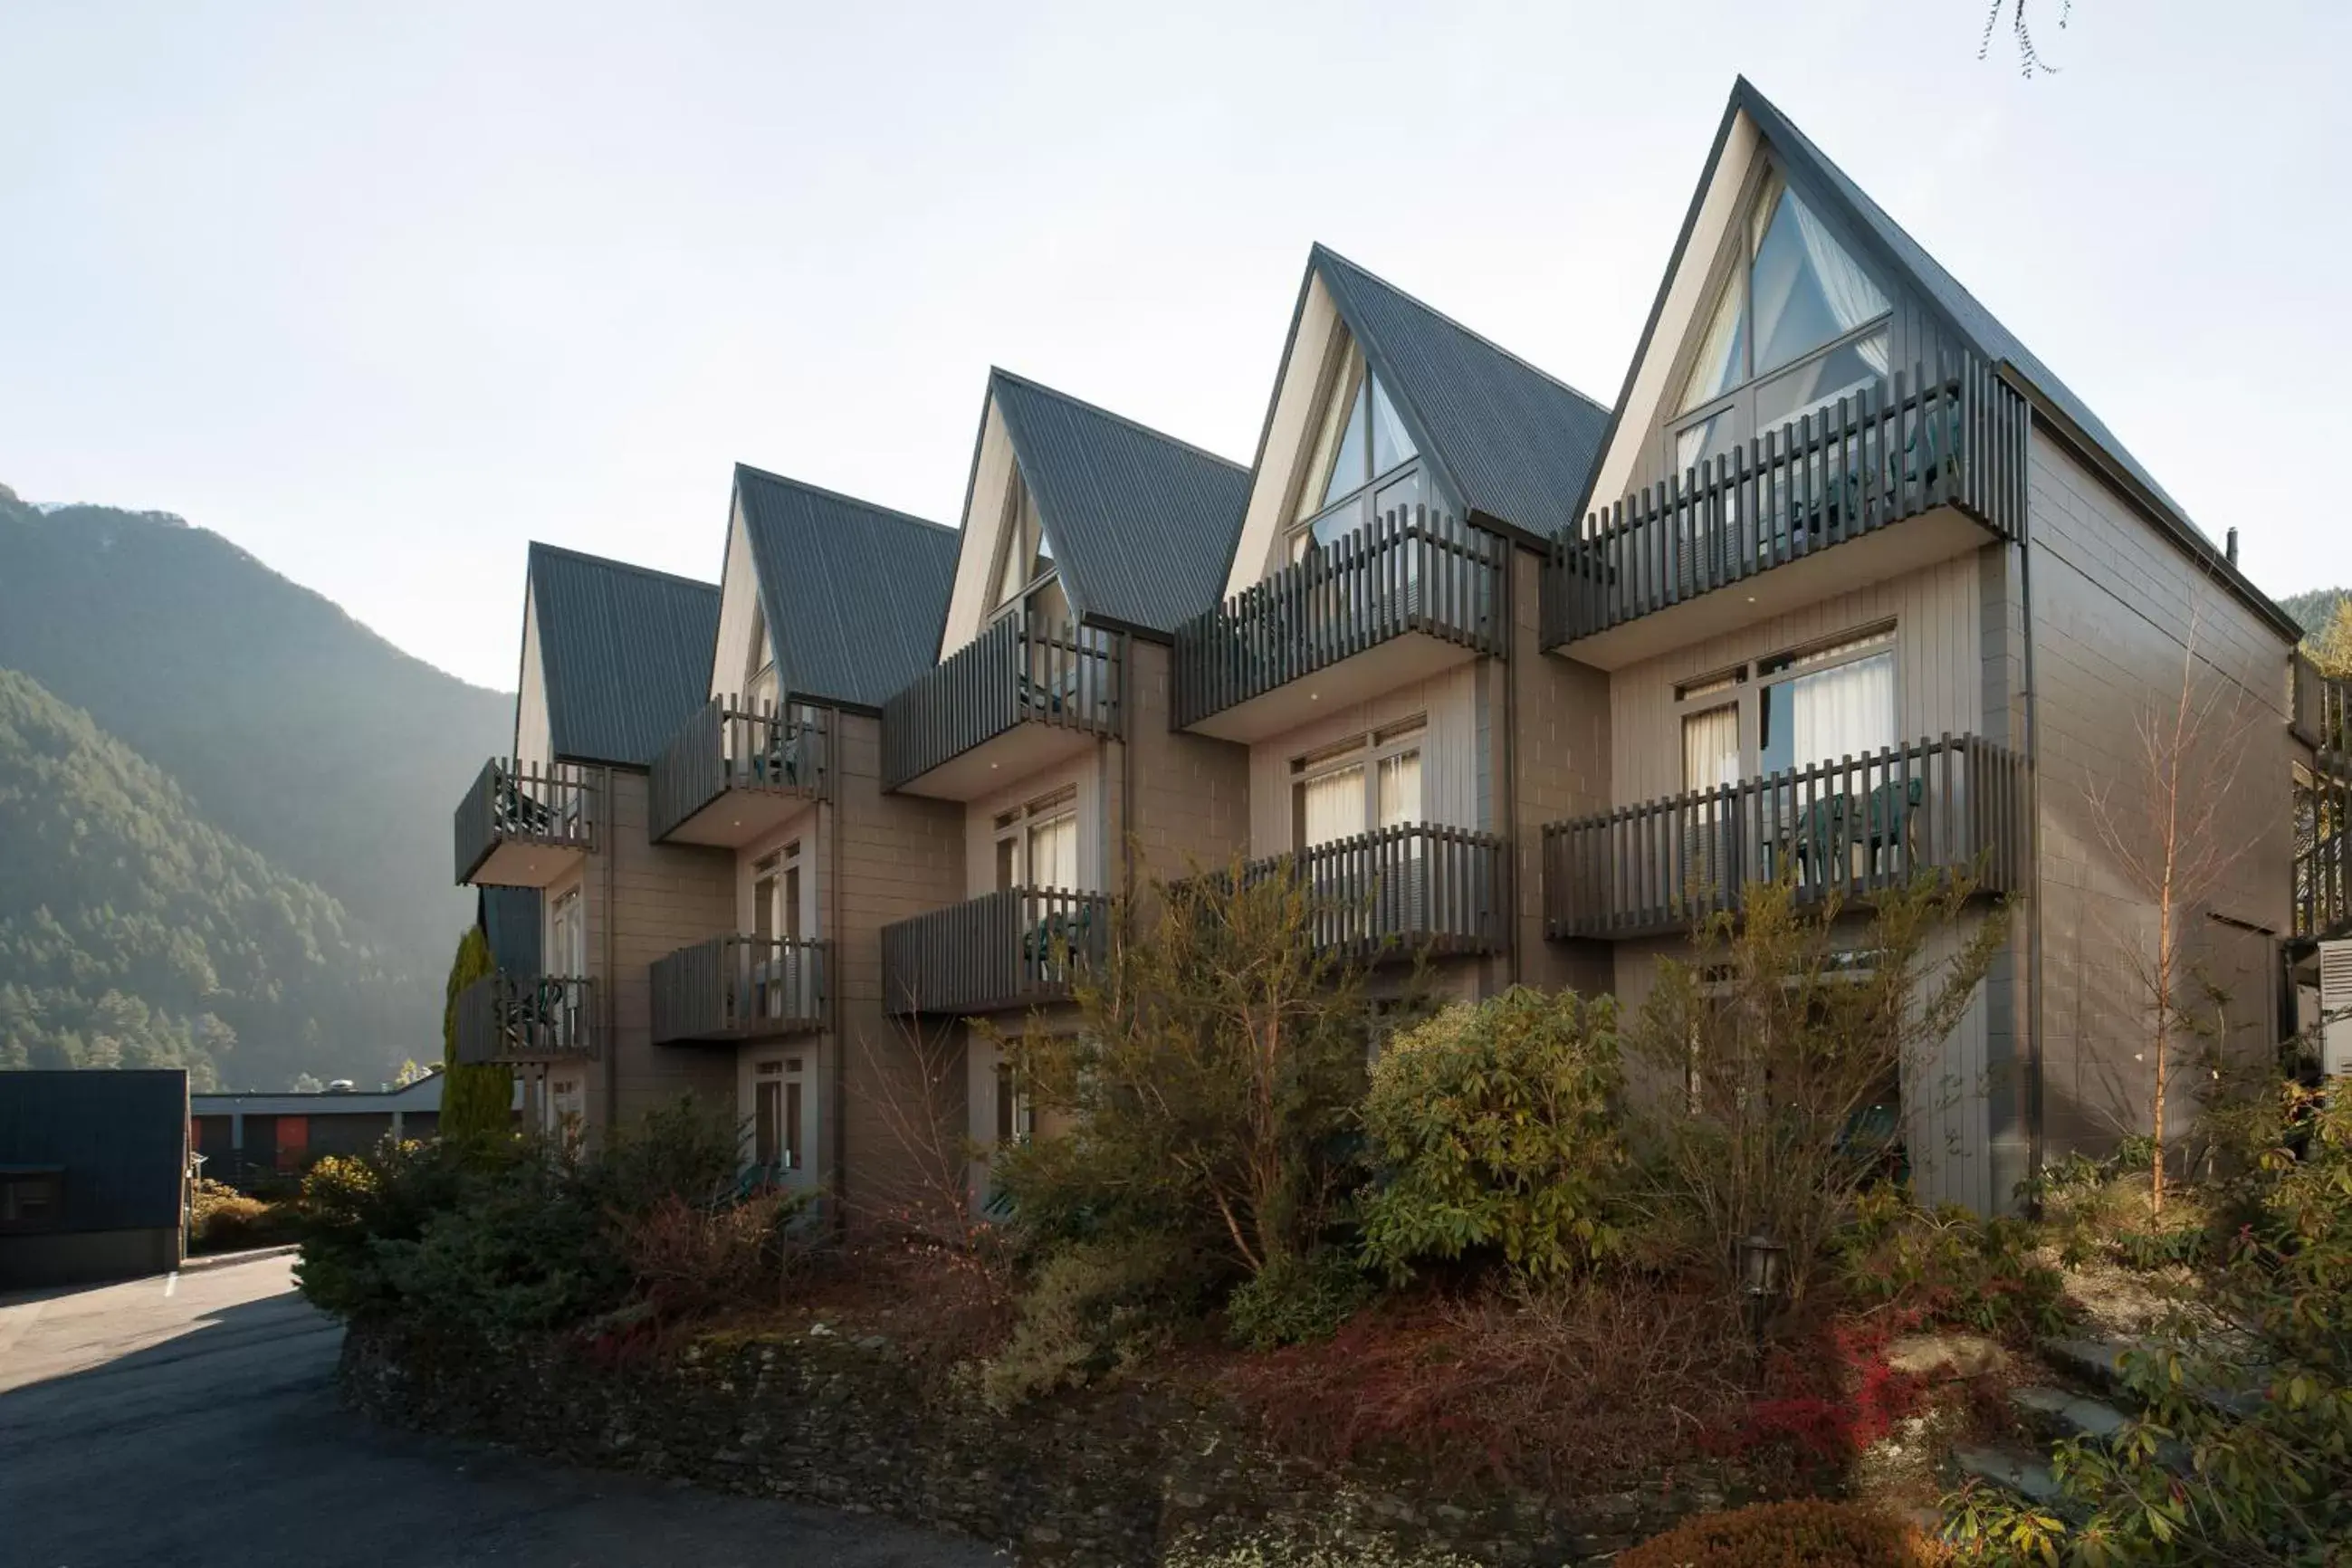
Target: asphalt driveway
192,1421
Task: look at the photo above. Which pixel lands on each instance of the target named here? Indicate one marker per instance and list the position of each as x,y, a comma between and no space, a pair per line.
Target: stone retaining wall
1097,1481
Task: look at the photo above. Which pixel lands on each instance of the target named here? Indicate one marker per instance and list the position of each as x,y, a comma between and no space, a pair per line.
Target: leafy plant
1094,1308
1494,1129
476,1101
1296,1299
1949,1266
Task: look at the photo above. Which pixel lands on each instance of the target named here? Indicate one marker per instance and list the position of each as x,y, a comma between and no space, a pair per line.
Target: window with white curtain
1037,844
1828,705
1026,576
1364,463
1368,782
1799,324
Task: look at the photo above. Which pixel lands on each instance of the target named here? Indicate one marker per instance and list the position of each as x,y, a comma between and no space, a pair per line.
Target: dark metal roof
624,653
510,922
1508,440
855,594
1961,313
121,1137
1143,526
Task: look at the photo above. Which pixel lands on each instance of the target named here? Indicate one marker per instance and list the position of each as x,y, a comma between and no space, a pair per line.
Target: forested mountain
291,727
133,934
2313,610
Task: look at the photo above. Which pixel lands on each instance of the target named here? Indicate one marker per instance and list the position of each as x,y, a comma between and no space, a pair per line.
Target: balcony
738,988
1020,696
1403,891
523,826
1401,599
1011,949
1851,828
521,1019
2323,856
1878,485
2322,711
734,773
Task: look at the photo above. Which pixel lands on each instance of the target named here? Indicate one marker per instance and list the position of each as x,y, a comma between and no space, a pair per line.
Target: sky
383,293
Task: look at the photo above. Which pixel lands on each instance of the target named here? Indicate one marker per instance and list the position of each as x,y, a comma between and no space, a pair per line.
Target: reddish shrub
1805,1534
1579,1386
1827,1395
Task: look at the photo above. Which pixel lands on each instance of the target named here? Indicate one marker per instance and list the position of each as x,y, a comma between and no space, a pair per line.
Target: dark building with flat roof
93,1174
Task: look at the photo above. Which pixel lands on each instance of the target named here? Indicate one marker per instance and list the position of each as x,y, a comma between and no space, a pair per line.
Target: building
1846,584
93,1174
247,1137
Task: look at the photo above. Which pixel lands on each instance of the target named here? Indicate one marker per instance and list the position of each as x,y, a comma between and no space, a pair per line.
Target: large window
1370,782
1364,464
1816,704
1037,844
1026,578
780,1105
1797,325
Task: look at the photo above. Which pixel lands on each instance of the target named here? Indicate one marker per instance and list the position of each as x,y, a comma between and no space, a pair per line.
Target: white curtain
1842,712
1711,748
1333,806
1399,783
1846,289
1054,852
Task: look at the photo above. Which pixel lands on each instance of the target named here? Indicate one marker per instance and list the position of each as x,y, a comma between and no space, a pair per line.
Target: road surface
190,1421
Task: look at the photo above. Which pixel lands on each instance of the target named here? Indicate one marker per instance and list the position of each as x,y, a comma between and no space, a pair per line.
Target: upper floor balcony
1017,947
1025,693
523,826
1405,596
739,987
734,772
520,1019
1402,891
1880,482
1849,828
2322,710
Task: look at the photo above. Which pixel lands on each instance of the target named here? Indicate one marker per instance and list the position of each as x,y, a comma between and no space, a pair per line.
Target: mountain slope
2313,611
291,727
132,933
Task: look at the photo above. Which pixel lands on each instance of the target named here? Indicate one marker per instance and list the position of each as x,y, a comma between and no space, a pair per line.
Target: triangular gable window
1026,575
1795,290
1364,463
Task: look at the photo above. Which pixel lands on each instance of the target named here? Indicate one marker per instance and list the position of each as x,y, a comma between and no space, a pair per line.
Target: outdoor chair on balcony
1056,938
781,761
1881,821
516,813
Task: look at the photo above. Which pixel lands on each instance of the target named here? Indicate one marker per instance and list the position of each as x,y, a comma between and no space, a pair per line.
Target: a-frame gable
1499,442
996,496
744,648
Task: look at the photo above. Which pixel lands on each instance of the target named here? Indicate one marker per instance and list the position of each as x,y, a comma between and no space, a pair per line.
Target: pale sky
381,293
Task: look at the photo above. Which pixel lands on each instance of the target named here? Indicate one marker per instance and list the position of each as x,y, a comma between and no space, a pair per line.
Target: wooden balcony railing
2322,854
543,803
737,988
729,745
1867,461
1849,828
1015,672
1015,948
526,1018
1418,571
1404,891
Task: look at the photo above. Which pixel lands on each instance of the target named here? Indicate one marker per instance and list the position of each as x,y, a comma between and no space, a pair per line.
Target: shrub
221,1218
1093,1309
1321,1549
1296,1300
521,1253
1805,1534
687,1261
1495,1128
353,1205
1772,1046
1949,1266
1596,1382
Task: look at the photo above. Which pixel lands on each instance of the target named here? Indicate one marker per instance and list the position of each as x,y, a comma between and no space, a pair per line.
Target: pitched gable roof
1508,440
1142,525
854,592
1961,315
625,654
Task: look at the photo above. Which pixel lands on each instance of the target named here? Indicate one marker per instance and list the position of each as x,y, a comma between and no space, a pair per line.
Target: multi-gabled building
1846,587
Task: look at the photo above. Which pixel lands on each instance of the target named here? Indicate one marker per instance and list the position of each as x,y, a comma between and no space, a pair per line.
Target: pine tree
475,1101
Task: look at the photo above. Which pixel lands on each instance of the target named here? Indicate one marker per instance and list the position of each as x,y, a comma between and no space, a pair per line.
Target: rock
1946,1354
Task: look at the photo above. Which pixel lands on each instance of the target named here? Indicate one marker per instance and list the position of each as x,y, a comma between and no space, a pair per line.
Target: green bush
1806,1533
1949,1266
524,1252
1495,1131
1296,1300
352,1207
220,1219
1094,1310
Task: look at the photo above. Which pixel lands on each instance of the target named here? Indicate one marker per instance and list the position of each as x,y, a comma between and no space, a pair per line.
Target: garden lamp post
1763,1276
